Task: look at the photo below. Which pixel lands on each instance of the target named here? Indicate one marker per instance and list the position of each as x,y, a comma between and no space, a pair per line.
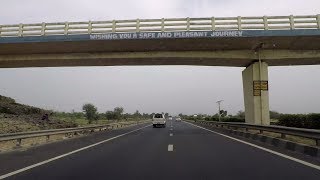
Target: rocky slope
16,117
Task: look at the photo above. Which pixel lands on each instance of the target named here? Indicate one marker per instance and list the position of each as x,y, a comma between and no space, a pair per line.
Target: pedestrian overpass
251,42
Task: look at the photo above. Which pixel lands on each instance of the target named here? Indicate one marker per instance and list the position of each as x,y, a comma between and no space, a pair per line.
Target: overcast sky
172,89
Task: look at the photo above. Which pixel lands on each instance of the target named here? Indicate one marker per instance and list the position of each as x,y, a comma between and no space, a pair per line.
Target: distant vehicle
170,118
158,120
178,119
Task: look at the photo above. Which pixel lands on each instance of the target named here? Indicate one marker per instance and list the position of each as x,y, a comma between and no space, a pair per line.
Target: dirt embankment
16,117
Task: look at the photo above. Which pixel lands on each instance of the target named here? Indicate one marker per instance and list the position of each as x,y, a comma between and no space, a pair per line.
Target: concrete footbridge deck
251,42
230,41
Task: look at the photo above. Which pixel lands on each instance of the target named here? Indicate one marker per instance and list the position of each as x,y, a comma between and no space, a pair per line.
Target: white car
178,119
158,120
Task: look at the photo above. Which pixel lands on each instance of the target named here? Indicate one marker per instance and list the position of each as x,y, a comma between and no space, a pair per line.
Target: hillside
16,117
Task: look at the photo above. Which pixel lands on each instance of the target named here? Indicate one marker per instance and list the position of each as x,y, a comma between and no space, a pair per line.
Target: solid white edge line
262,148
170,147
64,155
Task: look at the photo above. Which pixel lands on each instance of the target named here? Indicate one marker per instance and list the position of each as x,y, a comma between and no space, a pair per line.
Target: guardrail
32,134
300,132
163,25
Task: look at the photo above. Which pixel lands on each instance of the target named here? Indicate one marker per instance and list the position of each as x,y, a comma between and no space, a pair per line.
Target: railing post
291,22
18,144
265,22
213,23
43,29
318,20
114,26
261,131
66,27
89,27
239,23
318,142
20,30
188,24
47,138
162,25
138,26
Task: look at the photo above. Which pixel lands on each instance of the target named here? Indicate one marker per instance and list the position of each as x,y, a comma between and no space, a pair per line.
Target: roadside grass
8,125
85,122
274,121
297,139
13,124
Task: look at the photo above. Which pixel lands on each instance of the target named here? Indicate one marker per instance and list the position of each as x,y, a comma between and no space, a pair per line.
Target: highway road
179,151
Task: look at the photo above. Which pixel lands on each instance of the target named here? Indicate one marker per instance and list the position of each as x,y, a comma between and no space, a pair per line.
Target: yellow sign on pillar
257,92
259,86
264,85
256,85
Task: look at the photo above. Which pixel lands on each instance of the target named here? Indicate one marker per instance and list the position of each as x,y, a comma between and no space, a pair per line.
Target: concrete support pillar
256,94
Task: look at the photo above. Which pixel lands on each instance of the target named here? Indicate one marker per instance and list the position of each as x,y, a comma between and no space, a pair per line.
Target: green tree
137,114
118,111
110,115
223,113
90,112
146,115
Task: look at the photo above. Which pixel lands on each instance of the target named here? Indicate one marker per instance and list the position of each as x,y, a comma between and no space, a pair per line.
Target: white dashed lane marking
170,147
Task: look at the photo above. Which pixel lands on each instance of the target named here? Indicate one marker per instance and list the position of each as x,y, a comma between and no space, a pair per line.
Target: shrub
90,112
311,121
224,119
32,110
6,110
6,99
211,118
232,119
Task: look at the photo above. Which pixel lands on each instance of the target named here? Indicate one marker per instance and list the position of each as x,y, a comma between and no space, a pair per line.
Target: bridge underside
236,58
238,52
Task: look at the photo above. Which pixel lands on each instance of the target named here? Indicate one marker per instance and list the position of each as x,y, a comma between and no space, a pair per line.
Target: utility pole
219,102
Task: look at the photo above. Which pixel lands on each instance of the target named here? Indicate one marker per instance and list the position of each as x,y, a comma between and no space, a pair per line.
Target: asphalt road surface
179,151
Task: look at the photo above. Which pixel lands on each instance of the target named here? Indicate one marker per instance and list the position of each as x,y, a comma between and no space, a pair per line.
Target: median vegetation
224,117
310,121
